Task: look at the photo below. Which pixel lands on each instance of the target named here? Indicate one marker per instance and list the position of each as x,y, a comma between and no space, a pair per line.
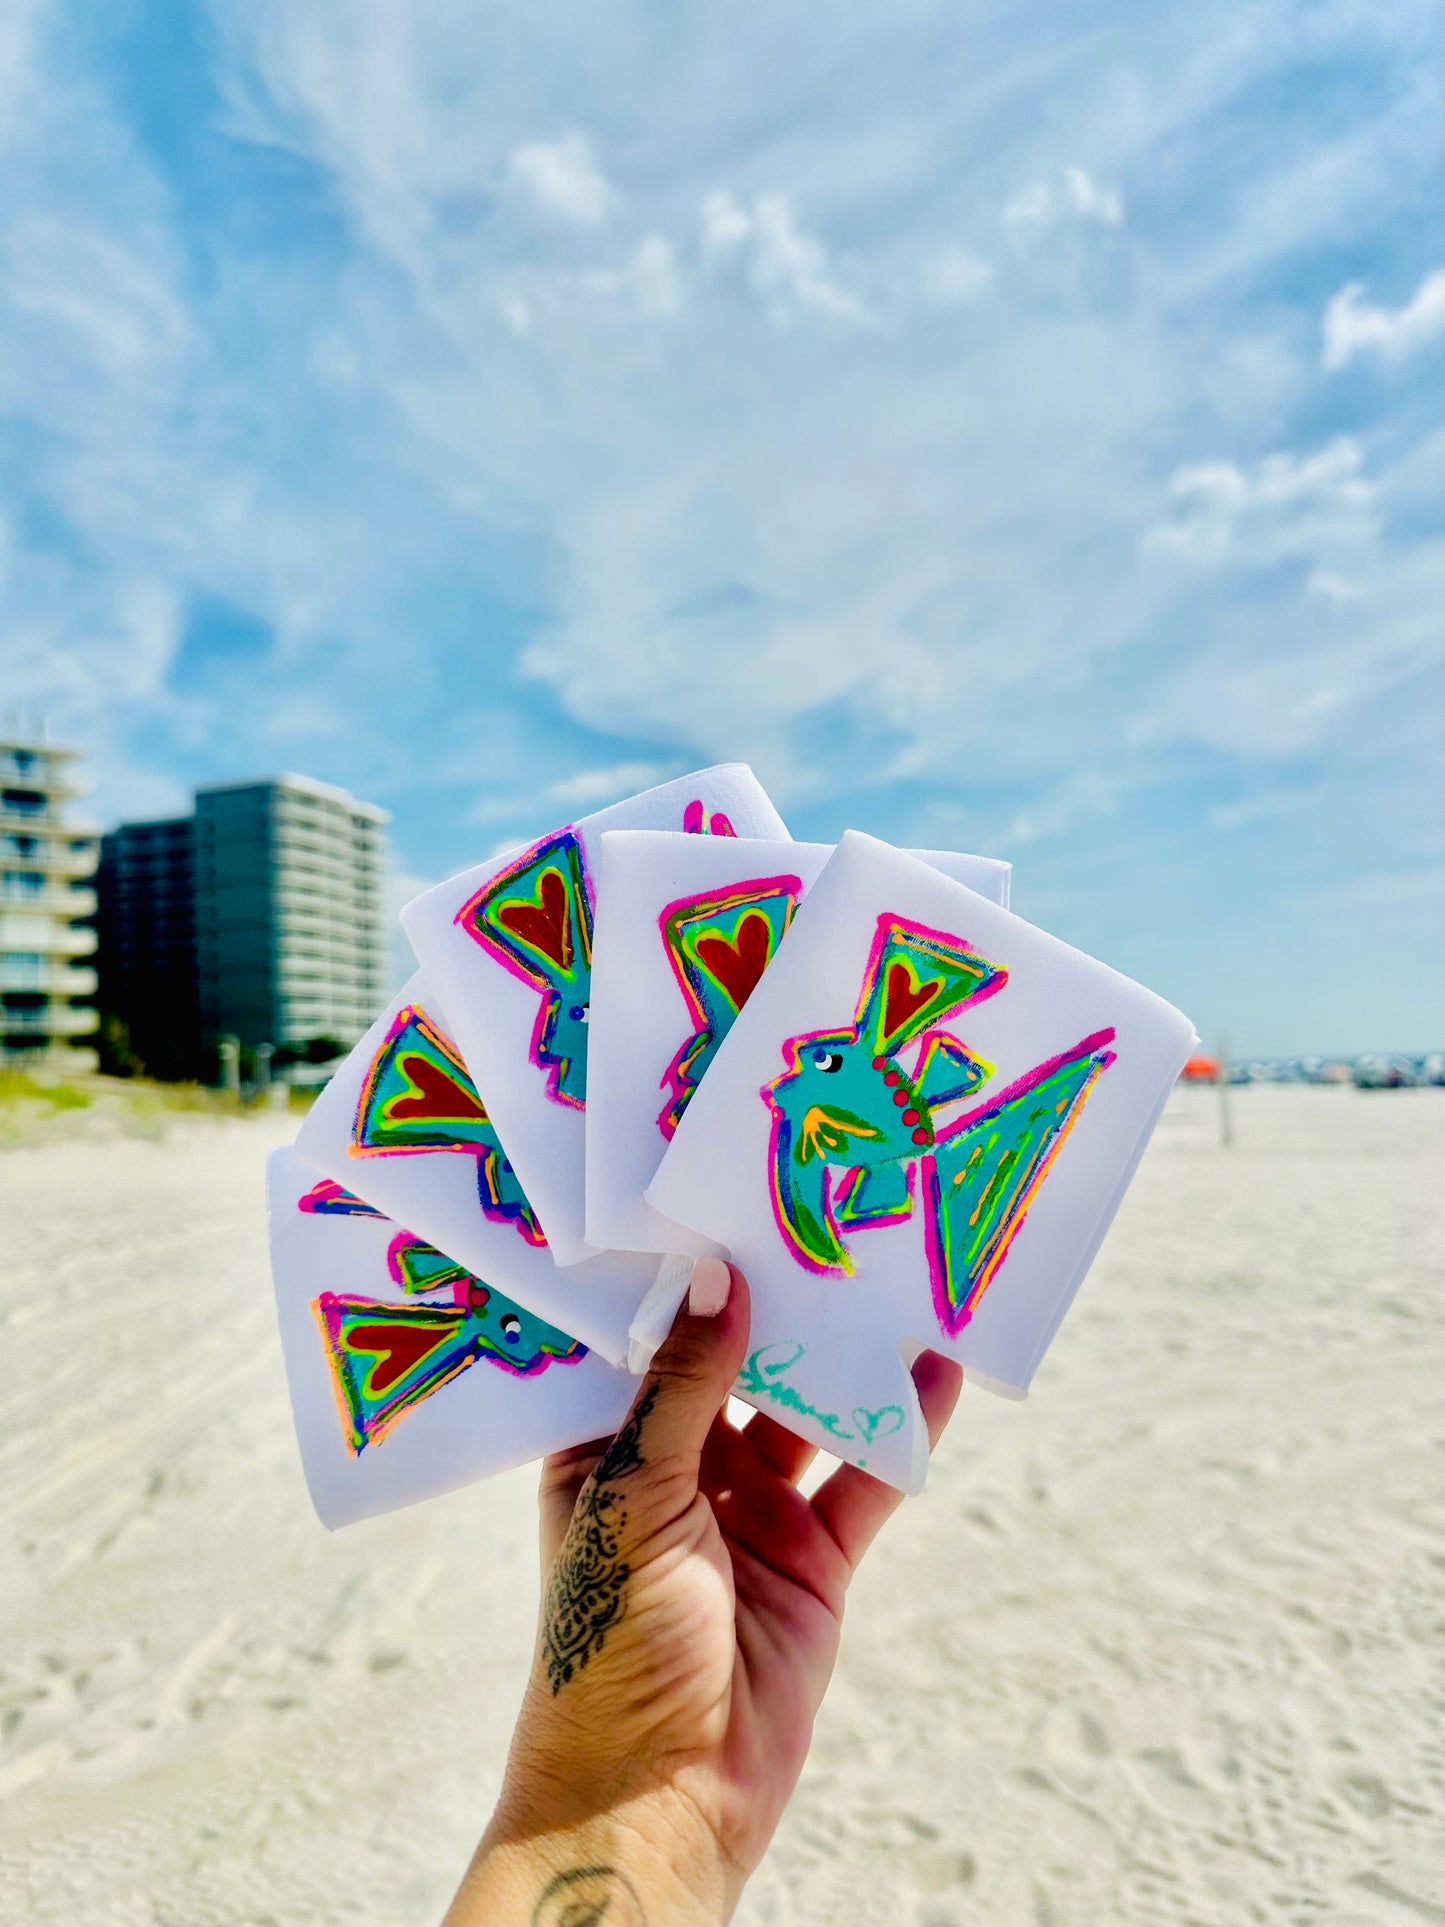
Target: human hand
689,1627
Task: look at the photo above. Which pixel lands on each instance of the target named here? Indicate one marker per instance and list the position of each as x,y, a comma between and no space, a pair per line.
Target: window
19,884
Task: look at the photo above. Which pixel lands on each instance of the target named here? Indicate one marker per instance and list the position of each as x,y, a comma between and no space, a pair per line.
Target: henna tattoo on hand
588,1591
588,1897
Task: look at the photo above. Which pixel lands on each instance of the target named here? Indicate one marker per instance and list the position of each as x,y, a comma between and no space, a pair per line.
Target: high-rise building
291,939
45,856
147,957
262,917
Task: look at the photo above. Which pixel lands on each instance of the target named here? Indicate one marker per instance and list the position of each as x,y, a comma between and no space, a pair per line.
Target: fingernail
708,1292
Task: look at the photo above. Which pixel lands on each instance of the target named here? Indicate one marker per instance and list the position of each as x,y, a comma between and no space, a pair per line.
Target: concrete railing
61,941
54,1020
70,1021
57,900
57,980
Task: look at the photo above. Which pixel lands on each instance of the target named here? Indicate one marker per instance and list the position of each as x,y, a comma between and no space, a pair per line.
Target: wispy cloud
1285,505
1088,794
956,278
1072,195
1354,326
589,789
1332,587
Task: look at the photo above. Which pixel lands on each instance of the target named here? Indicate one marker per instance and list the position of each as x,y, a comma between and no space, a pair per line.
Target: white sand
1162,1646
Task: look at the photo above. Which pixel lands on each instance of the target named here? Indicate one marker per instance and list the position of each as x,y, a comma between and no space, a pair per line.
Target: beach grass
38,1106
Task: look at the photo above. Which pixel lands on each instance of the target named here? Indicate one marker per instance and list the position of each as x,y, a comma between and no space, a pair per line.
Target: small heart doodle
881,1424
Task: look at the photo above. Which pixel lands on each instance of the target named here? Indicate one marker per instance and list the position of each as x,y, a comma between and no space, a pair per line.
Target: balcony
35,972
70,1021
42,936
39,1053
61,861
25,1023
36,763
27,817
57,900
61,980
63,941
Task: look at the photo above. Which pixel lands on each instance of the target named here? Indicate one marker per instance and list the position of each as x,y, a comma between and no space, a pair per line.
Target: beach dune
1161,1647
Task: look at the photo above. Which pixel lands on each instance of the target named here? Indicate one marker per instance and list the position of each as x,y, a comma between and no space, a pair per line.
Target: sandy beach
1163,1647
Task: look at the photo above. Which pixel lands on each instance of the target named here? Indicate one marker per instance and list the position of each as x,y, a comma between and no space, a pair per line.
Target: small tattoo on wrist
588,1591
589,1897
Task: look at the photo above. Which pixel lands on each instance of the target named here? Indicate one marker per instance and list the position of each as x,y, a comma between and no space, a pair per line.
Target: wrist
647,1859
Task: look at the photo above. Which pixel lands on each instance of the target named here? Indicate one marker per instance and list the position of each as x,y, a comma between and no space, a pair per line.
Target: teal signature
765,1375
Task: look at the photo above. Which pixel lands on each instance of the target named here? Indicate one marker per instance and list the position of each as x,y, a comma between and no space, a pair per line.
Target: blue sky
1010,427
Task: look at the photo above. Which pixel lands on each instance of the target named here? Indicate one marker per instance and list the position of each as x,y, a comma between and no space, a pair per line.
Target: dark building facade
261,917
147,955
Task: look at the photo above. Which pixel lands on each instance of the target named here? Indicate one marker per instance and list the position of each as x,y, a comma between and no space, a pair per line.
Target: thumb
688,1381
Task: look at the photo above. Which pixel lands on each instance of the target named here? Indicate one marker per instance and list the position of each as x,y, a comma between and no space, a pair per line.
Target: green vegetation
34,1105
18,1087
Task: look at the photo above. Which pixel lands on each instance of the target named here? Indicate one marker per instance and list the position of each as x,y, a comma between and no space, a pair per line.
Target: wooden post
1226,1120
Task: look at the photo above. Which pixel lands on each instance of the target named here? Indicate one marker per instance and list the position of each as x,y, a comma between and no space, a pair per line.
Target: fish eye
578,1013
511,1327
827,1060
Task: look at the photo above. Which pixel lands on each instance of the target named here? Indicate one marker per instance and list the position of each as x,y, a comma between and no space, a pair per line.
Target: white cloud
850,554
1088,794
563,179
575,794
591,788
1353,326
954,278
1268,806
1074,195
1284,506
653,279
645,287
96,298
1330,586
788,269
726,224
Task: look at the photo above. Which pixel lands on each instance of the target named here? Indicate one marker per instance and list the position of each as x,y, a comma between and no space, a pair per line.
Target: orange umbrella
1201,1070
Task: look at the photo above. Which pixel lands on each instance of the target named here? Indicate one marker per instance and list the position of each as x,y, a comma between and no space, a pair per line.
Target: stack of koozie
668,1030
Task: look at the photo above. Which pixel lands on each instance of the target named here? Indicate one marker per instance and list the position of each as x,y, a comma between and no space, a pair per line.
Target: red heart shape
434,1093
901,1001
739,964
545,925
396,1347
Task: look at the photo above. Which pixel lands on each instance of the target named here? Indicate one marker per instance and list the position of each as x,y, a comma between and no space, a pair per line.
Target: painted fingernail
708,1292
